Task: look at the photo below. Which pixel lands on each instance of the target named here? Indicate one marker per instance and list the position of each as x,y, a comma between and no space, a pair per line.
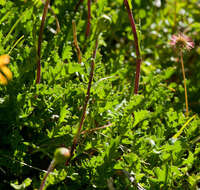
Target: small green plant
119,140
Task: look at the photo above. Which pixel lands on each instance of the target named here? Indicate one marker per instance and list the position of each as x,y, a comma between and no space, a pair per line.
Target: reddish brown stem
95,129
88,19
76,137
137,49
40,41
50,169
54,14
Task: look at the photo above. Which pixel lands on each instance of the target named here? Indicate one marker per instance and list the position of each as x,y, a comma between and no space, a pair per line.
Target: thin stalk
76,137
15,44
183,127
184,78
50,169
54,14
137,49
89,19
79,54
40,41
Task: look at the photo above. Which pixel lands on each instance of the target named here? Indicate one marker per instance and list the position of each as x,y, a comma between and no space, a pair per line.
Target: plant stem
79,54
184,78
15,44
89,19
50,169
137,49
76,137
54,14
40,41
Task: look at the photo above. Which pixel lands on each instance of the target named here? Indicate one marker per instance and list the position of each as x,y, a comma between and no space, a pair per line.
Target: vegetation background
136,148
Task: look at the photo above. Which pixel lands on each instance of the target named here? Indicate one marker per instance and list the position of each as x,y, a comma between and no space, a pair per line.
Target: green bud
102,23
61,155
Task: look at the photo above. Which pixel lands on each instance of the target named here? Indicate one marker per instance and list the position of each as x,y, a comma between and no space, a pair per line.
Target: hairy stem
88,19
40,41
79,54
184,78
138,59
76,137
50,169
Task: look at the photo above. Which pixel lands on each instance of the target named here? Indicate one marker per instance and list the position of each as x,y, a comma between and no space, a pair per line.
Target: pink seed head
181,41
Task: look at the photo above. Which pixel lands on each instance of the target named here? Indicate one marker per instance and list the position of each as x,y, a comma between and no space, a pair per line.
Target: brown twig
95,129
89,18
76,137
79,54
54,14
40,41
138,59
50,169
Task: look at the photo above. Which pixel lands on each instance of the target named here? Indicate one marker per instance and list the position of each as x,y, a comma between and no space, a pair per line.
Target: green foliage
138,148
25,183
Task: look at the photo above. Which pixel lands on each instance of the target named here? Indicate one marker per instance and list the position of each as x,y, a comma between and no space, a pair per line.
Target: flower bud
61,155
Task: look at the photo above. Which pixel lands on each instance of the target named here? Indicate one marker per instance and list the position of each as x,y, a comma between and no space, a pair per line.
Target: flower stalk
60,156
137,49
50,169
78,50
185,86
182,42
76,137
88,19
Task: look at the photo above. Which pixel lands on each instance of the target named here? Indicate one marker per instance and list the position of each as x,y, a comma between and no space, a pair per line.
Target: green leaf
23,185
67,53
2,2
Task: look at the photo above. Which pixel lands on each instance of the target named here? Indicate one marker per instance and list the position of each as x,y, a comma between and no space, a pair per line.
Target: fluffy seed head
181,41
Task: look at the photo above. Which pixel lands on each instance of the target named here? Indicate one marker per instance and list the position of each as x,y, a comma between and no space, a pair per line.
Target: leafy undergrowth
127,141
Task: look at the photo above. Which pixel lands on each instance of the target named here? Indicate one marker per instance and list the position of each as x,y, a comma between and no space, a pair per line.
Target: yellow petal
6,72
4,59
3,80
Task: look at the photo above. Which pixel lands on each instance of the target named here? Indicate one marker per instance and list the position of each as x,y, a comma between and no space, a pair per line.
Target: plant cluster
96,95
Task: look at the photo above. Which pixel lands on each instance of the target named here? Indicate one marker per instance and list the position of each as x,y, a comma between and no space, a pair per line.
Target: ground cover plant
99,94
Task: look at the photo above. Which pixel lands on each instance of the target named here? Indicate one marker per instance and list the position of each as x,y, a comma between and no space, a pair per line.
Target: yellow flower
5,73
